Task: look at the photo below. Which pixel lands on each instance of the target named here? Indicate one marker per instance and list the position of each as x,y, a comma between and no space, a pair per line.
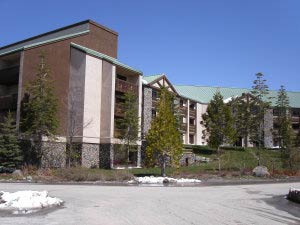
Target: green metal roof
105,57
204,94
13,50
151,78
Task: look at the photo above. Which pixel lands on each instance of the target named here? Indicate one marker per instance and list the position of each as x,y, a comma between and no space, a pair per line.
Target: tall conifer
10,153
163,139
39,113
218,122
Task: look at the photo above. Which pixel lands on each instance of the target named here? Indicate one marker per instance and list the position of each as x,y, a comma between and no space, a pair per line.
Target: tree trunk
219,158
163,166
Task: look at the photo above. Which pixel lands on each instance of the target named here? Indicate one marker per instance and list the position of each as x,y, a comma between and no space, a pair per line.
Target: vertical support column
198,125
20,84
108,108
268,127
187,139
139,159
92,100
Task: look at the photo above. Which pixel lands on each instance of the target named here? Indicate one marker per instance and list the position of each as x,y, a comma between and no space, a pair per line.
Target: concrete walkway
241,204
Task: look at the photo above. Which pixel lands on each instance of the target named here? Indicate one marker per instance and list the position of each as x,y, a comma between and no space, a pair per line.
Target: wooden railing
192,128
192,112
183,126
124,86
295,119
183,110
119,109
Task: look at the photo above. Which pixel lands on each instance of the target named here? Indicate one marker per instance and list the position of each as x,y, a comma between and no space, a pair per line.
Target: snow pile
27,201
161,180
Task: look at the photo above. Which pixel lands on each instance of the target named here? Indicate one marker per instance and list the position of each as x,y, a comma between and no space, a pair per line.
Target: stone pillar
54,154
187,138
106,156
139,156
90,155
147,110
268,127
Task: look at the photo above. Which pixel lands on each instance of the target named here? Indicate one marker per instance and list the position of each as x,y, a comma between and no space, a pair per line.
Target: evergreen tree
130,122
242,117
297,139
259,105
10,153
218,122
283,119
39,113
163,138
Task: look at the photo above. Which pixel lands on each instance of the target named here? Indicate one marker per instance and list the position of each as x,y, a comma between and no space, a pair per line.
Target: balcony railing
183,126
125,86
8,102
118,133
192,112
119,109
295,119
183,110
192,128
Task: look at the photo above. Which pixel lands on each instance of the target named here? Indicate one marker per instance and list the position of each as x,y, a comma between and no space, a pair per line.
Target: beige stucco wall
92,100
107,102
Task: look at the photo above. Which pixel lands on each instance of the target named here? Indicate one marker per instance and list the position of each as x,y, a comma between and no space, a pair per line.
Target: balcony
8,102
183,127
119,109
192,128
183,110
295,119
192,112
125,86
118,133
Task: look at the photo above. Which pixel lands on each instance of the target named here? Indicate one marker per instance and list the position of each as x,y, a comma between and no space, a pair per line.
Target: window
191,138
192,106
121,77
154,94
153,112
192,121
275,112
295,126
295,112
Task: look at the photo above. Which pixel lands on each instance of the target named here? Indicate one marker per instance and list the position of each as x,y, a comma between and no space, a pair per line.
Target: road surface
240,204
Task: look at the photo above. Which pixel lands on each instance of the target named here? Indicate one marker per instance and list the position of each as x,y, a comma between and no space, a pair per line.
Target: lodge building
90,83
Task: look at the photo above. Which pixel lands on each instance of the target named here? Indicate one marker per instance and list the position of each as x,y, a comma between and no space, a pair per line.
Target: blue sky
212,42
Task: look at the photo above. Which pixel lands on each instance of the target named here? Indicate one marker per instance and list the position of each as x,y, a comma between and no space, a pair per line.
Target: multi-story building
90,83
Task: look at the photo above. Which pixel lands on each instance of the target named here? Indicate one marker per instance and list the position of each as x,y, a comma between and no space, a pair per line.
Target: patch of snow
229,99
27,201
129,167
294,190
161,180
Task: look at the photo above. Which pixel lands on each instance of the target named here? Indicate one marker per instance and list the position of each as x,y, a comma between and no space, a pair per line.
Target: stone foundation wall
106,154
187,159
90,155
54,154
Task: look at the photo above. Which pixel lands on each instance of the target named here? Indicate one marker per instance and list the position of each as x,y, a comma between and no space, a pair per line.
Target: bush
201,149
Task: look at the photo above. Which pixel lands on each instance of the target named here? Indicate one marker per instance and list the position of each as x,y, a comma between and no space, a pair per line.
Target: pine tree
259,104
130,122
218,122
39,113
283,119
10,153
242,117
163,138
